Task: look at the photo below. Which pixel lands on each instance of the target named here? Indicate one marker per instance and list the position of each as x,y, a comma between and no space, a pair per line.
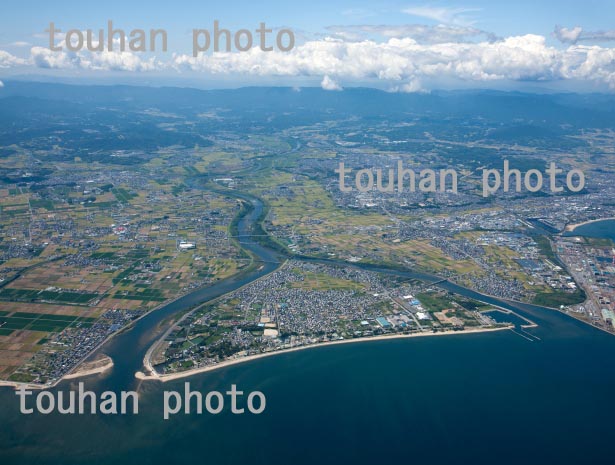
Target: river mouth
502,387
498,382
129,349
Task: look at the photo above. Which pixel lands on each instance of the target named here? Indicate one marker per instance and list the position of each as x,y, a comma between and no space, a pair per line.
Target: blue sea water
490,398
484,398
605,228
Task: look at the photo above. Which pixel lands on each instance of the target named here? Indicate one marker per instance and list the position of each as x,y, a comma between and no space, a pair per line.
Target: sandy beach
100,365
572,227
154,376
32,387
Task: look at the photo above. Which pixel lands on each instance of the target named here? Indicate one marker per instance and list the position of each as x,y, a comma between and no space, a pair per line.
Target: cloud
577,34
45,35
403,64
8,60
400,62
20,43
443,15
567,35
106,61
330,84
420,32
1,84
409,87
357,13
42,57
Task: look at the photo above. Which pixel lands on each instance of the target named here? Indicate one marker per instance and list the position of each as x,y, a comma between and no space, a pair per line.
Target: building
608,316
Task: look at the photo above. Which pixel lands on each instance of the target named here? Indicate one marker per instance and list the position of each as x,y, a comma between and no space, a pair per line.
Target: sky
402,46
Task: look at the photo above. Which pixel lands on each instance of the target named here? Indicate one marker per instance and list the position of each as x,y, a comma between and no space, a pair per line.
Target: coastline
18,384
155,376
72,374
148,355
75,373
572,227
97,366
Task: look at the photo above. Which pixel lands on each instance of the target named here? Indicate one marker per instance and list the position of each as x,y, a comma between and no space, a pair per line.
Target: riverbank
155,376
185,302
147,359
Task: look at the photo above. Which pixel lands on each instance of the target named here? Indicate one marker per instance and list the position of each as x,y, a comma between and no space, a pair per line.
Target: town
96,237
304,304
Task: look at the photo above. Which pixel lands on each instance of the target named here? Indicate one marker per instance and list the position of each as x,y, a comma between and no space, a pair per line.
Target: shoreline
82,370
155,376
18,384
73,373
572,227
95,367
147,358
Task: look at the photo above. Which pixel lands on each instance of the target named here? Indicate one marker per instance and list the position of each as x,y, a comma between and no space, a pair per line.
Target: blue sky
398,45
22,19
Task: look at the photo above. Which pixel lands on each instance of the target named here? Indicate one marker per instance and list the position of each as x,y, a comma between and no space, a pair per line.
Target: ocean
476,398
485,398
605,228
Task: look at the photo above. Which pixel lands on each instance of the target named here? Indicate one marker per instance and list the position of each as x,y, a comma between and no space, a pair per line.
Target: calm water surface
492,398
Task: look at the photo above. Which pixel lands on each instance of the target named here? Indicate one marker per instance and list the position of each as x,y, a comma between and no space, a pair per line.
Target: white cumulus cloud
1,84
395,59
8,60
409,87
403,61
117,61
420,32
405,64
330,84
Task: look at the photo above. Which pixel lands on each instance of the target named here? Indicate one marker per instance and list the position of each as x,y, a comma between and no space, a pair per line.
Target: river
481,398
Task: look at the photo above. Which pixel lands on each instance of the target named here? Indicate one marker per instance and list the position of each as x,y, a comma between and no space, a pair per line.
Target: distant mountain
106,118
260,103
